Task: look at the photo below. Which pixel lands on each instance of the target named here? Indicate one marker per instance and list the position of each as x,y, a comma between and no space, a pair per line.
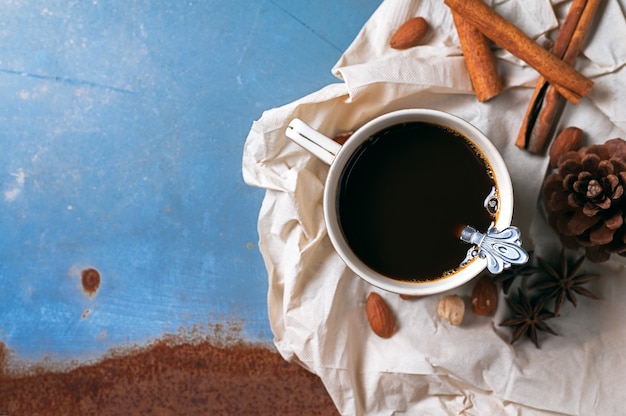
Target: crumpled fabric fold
316,304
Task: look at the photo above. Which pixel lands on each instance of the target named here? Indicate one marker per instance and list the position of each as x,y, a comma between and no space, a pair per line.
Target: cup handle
312,140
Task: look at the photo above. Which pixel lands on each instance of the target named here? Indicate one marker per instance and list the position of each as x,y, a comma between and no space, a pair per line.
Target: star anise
508,276
564,283
529,317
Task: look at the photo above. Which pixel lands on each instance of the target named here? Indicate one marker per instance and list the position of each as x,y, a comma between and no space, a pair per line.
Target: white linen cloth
316,304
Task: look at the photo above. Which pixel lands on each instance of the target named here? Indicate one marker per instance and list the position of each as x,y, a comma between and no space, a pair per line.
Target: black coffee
406,193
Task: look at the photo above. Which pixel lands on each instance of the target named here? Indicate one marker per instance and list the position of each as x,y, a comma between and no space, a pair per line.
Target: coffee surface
406,193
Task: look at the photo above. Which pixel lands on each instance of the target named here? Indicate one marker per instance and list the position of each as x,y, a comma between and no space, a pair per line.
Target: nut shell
380,316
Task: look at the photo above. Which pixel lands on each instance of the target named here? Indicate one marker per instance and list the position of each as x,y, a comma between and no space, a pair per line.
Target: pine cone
585,199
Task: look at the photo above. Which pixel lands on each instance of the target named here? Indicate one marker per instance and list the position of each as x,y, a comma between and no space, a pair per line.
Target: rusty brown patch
183,374
90,279
4,355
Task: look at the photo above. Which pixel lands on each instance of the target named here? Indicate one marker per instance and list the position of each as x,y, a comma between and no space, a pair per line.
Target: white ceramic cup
337,156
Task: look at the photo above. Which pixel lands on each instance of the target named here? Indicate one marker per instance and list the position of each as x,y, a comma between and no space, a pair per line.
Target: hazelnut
451,308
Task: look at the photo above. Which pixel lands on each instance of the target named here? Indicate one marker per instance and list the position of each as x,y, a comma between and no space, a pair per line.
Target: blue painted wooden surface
122,125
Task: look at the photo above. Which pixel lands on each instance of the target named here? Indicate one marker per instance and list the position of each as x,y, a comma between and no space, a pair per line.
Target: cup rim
474,135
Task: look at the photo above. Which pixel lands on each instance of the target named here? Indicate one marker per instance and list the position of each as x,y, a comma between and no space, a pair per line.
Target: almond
567,140
409,34
379,316
484,296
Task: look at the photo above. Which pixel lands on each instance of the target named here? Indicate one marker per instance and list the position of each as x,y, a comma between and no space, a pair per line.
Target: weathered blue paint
122,125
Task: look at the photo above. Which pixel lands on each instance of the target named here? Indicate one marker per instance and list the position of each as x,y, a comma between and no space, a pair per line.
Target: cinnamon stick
546,104
576,43
479,59
569,82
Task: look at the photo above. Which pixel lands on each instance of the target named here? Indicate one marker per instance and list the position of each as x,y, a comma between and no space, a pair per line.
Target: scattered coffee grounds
168,378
